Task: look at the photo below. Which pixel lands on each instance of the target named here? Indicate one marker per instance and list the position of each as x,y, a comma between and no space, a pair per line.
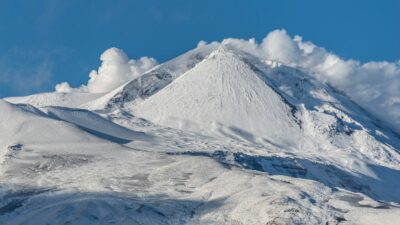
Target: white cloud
373,85
63,87
278,46
115,69
201,44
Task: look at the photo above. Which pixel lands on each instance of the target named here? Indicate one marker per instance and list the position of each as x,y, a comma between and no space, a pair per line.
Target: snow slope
55,99
223,94
20,126
29,137
93,123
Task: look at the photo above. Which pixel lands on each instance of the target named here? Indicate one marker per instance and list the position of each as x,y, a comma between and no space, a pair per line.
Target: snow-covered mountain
222,91
214,136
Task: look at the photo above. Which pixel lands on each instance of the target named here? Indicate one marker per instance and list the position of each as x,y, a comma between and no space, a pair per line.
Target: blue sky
44,42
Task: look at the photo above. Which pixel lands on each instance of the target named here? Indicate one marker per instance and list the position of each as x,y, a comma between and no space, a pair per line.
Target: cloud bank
373,85
115,69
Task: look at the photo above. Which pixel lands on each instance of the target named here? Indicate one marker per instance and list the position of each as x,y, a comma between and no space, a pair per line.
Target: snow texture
218,135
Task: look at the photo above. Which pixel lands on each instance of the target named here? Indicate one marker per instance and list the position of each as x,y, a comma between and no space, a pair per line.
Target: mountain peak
224,94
